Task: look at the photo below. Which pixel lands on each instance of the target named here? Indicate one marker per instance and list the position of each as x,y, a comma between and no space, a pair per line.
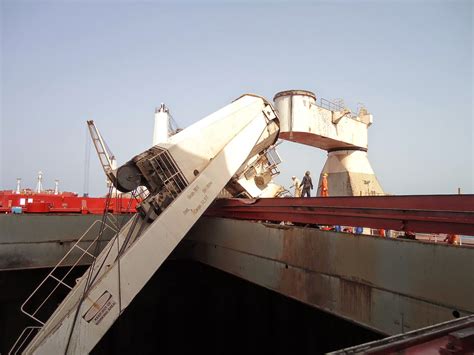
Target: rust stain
292,283
306,256
308,249
310,288
355,300
306,287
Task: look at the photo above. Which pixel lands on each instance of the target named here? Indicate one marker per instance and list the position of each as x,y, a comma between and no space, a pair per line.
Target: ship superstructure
45,201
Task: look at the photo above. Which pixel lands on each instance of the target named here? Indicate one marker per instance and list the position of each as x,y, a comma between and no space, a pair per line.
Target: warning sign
99,308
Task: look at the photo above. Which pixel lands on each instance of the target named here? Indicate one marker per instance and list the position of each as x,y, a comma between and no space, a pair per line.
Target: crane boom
106,157
183,175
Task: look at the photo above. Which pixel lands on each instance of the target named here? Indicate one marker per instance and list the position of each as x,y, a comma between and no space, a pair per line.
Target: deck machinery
230,150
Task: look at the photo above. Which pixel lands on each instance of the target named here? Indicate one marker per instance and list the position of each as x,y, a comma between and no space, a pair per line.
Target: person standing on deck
297,186
307,185
452,239
324,185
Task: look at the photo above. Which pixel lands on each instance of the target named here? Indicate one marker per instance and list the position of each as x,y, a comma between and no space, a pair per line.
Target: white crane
106,157
231,149
183,175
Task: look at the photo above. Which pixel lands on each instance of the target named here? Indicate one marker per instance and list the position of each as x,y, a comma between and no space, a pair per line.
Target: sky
64,62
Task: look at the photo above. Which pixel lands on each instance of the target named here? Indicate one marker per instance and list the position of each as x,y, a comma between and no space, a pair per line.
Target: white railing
57,276
23,340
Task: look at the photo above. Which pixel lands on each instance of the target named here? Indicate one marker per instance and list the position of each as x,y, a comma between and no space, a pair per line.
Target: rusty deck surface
388,285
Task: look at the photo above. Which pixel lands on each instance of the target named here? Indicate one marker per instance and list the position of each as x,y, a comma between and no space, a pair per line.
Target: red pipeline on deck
422,214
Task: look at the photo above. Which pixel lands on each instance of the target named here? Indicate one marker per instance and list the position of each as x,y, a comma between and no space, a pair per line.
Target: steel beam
424,214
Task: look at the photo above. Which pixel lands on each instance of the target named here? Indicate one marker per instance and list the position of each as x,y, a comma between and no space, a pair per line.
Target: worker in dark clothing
307,184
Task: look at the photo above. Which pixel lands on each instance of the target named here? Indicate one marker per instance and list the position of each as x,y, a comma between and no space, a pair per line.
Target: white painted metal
350,174
244,131
39,185
107,159
162,124
18,186
256,177
84,245
56,187
192,147
303,118
216,129
27,334
228,145
334,128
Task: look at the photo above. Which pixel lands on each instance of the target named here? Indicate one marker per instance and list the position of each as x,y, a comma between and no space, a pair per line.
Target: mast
18,186
162,124
39,185
56,187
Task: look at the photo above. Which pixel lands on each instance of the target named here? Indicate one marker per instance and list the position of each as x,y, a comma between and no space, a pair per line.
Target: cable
87,159
89,279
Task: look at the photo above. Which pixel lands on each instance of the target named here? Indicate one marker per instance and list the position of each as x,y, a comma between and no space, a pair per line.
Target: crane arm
183,175
106,157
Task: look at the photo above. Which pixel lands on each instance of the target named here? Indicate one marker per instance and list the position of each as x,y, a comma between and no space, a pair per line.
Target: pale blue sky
409,62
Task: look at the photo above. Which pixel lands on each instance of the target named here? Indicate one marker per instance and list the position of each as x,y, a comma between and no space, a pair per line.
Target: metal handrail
20,343
329,105
61,281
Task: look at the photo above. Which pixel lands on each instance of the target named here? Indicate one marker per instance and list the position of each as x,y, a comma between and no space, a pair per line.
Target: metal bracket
268,112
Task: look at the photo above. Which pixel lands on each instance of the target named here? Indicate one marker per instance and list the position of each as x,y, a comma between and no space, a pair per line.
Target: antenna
361,109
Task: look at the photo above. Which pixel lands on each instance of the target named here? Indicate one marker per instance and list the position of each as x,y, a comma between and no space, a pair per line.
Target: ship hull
41,240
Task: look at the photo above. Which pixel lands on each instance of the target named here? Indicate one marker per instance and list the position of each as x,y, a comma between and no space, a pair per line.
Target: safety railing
113,220
23,340
61,279
140,193
329,105
166,168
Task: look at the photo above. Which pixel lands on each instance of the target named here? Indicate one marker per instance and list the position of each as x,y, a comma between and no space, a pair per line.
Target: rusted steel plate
391,285
429,214
375,308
